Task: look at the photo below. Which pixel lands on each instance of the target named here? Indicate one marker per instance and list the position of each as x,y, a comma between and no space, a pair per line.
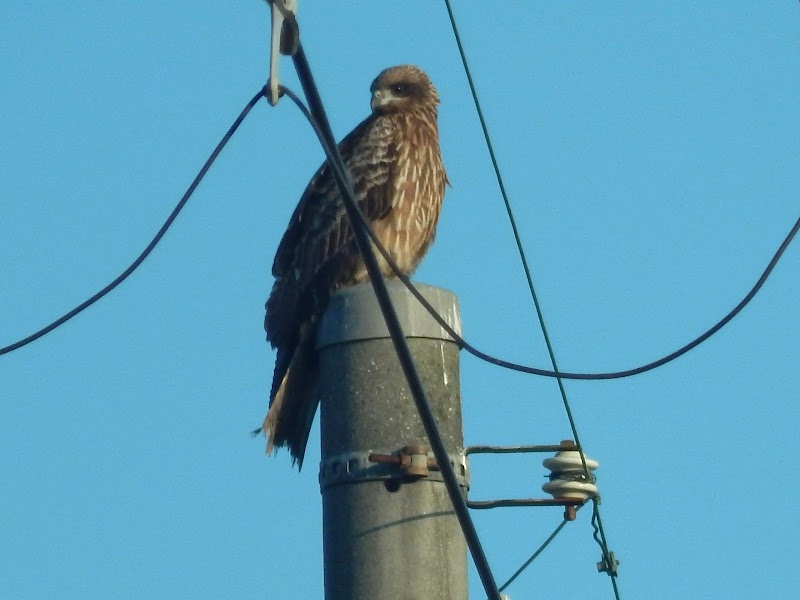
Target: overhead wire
540,315
505,364
556,373
153,243
462,342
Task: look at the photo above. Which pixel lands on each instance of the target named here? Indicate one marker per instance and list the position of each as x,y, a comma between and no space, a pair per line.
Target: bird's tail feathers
294,397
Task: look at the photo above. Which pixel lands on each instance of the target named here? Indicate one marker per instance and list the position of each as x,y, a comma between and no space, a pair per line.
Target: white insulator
568,478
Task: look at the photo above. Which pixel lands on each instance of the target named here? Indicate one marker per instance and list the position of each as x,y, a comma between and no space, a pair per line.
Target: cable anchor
285,40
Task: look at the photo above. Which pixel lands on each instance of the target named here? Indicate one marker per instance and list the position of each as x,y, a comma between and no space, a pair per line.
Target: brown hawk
396,166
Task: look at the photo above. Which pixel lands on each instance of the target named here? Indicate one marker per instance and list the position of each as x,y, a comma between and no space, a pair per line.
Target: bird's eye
400,89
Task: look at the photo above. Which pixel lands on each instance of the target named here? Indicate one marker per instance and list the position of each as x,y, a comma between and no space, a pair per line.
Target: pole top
353,314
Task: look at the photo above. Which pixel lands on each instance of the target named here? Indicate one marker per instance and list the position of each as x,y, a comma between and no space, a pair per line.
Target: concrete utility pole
389,532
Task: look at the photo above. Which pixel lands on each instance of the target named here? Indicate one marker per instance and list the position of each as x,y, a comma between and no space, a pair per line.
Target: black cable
528,277
555,372
323,131
584,376
496,166
594,376
153,243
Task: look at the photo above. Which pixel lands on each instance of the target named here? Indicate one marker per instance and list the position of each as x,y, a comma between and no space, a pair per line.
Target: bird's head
402,88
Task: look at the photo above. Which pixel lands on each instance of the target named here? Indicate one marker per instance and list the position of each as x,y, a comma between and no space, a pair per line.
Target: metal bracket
570,504
285,40
406,465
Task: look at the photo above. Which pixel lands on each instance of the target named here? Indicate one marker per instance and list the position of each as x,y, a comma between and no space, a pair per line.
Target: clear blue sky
651,153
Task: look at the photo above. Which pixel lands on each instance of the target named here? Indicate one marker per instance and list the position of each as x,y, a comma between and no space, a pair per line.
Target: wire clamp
285,40
608,564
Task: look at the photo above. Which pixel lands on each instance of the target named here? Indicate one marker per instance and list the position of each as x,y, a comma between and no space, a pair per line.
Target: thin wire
492,156
465,345
153,243
535,555
518,240
323,130
555,373
540,315
589,376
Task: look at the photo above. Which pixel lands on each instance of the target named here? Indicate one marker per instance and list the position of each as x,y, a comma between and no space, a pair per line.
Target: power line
592,376
153,243
495,165
540,315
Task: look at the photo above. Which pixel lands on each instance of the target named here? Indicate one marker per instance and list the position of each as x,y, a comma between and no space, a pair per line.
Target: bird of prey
399,180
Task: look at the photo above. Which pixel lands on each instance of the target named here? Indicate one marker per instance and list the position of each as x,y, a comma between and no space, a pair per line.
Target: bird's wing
318,229
317,253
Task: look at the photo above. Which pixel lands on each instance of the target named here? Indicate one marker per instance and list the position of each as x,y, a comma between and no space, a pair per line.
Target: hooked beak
381,98
376,99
